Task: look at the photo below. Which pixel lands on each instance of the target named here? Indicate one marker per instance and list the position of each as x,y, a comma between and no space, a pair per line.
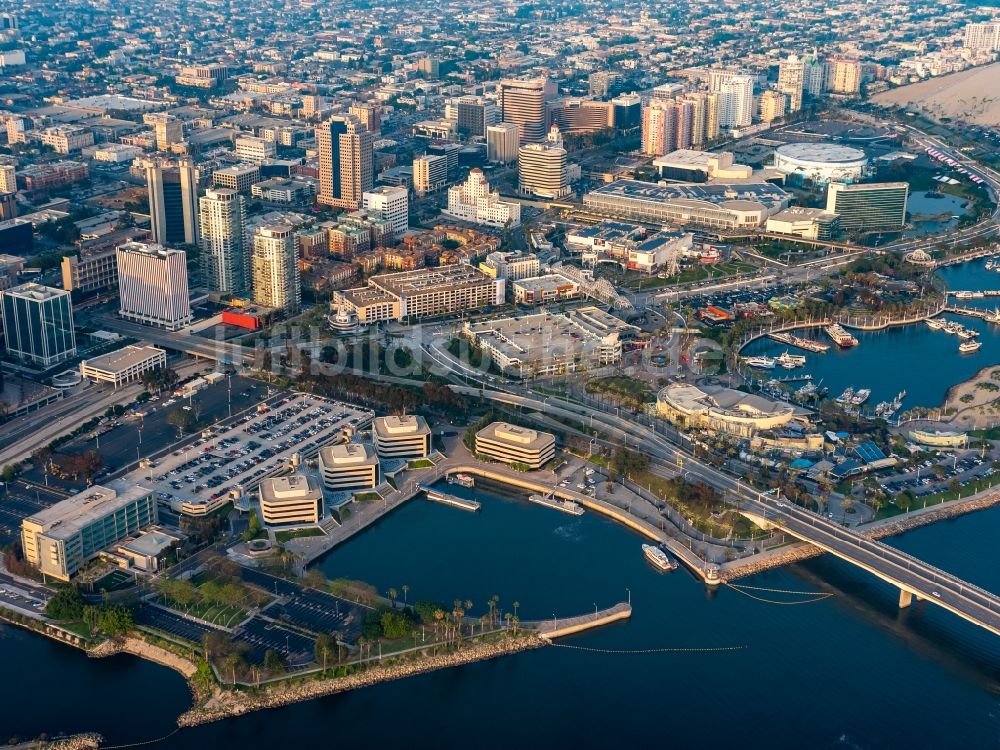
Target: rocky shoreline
879,530
144,650
227,704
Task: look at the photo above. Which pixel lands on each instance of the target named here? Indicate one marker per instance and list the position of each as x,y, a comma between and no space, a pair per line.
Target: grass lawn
79,627
284,536
366,496
630,390
217,614
421,463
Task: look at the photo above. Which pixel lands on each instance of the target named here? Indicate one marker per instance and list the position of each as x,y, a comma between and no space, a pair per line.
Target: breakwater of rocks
226,704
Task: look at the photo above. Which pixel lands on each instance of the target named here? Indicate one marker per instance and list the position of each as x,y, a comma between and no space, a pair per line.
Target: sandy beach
971,95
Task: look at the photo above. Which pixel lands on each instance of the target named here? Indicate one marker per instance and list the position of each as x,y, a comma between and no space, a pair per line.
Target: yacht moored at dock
659,559
808,344
967,347
791,361
462,480
761,363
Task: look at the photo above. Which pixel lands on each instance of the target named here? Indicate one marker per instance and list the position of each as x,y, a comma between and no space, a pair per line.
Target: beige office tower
525,104
168,129
225,269
542,168
704,117
502,142
772,106
345,161
370,116
792,81
275,264
843,77
8,178
173,201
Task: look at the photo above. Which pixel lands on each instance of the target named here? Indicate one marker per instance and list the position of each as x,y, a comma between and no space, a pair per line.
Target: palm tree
406,590
392,597
515,620
507,617
233,661
516,605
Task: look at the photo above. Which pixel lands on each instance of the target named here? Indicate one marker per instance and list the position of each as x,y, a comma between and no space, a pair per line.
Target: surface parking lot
262,636
19,500
201,474
171,623
320,613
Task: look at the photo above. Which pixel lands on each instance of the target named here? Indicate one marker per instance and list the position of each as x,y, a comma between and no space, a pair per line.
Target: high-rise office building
473,115
502,142
393,204
38,324
983,36
735,97
542,168
792,81
8,178
525,103
173,201
659,127
223,242
430,173
627,111
474,202
871,206
167,128
275,263
370,116
704,116
815,75
345,161
153,285
843,77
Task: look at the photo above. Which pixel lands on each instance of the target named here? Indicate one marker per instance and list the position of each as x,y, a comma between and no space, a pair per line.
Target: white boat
840,336
993,317
967,333
846,397
462,480
967,347
549,501
763,363
934,324
658,557
963,295
791,361
860,396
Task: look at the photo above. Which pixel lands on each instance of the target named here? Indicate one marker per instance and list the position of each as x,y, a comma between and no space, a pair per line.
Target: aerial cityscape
577,374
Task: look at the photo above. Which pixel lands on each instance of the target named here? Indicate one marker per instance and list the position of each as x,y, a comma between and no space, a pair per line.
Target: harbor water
850,671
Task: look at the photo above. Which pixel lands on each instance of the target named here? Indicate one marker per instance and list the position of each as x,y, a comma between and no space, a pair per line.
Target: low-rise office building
515,445
123,365
538,290
808,223
295,499
407,436
348,466
61,539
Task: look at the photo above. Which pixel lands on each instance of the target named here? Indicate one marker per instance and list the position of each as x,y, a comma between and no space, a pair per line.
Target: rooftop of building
798,213
401,426
36,292
122,359
67,517
292,488
348,455
425,280
520,437
549,282
827,153
716,193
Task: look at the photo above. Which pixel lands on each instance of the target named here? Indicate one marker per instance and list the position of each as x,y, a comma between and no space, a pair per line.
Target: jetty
558,628
550,501
443,497
990,316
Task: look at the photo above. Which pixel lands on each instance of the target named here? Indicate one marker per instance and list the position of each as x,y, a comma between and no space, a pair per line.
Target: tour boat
840,336
860,396
966,347
935,325
846,397
658,557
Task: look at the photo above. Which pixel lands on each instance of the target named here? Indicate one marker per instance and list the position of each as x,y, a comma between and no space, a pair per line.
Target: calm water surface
852,671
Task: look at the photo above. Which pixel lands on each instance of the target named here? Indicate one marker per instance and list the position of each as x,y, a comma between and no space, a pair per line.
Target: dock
558,628
799,342
443,497
548,500
990,316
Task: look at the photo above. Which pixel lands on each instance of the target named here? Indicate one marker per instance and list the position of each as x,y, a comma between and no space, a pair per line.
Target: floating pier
443,497
797,341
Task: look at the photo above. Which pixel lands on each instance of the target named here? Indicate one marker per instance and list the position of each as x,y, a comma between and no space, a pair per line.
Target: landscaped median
228,703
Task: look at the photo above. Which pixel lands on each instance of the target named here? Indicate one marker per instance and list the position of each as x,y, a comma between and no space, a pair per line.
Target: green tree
65,604
274,661
323,648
